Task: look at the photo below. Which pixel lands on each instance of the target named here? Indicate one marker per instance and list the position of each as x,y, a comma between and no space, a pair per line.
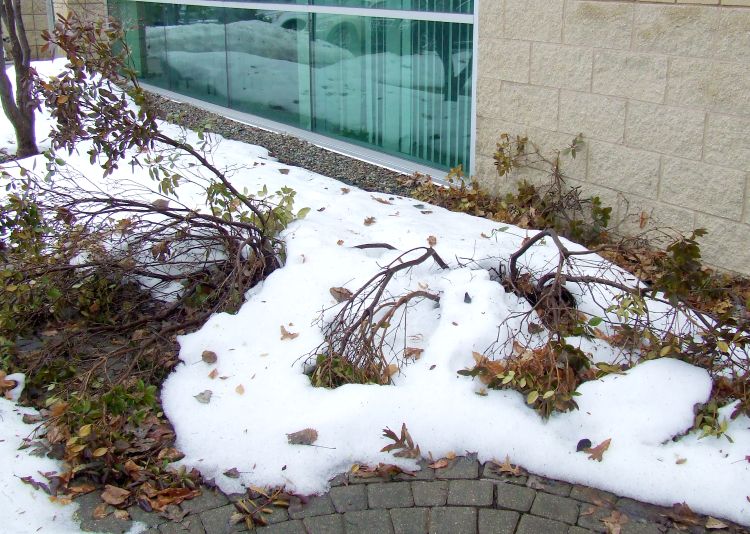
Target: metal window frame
373,156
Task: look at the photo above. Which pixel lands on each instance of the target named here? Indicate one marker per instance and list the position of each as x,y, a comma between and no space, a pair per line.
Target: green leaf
301,213
533,396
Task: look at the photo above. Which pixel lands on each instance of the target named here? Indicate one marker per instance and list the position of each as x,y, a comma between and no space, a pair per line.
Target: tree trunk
19,110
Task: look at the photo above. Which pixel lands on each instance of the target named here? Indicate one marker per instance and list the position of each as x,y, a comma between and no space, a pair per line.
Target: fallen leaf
122,515
714,524
507,467
100,512
204,397
432,241
369,221
441,463
285,334
391,370
101,451
240,389
341,294
209,356
340,242
413,353
596,453
114,495
381,200
451,455
171,454
680,461
425,212
307,436
682,513
345,190
232,473
213,374
284,171
614,522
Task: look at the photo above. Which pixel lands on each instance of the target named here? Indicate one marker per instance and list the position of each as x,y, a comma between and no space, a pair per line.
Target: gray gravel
287,149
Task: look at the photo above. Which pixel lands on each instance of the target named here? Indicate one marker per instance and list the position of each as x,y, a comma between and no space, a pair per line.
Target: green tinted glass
399,86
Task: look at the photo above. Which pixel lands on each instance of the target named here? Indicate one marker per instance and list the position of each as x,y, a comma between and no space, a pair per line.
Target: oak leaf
369,221
285,334
596,453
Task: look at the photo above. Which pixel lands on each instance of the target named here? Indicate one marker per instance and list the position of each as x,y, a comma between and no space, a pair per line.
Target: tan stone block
726,244
638,76
488,97
638,215
504,59
486,174
534,20
732,42
596,116
527,104
705,188
561,66
491,19
549,143
598,24
728,141
665,129
489,131
677,29
717,86
624,169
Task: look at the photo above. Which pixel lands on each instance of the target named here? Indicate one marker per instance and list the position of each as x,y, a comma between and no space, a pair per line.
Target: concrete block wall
660,91
34,14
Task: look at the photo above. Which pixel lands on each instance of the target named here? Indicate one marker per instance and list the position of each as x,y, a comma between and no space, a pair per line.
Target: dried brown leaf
213,374
714,524
240,389
341,294
614,522
432,241
101,511
209,357
369,221
507,467
596,453
306,436
286,334
114,495
413,353
204,397
381,200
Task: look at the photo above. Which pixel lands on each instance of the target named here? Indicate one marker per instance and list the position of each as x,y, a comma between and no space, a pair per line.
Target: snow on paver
640,411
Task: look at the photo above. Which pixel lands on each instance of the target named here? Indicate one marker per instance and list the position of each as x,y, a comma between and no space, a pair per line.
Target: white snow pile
246,427
23,508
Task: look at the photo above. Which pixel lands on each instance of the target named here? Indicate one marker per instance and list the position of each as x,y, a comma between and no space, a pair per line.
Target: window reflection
400,86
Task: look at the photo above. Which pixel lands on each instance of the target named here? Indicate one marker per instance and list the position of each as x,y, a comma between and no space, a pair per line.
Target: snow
23,508
646,411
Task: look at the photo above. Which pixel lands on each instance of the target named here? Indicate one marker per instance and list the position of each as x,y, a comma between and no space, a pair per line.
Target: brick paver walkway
462,498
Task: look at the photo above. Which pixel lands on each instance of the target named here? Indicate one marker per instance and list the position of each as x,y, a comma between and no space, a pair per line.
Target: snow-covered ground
246,428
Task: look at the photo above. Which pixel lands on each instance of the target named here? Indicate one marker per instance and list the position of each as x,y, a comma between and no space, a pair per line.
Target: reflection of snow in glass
392,100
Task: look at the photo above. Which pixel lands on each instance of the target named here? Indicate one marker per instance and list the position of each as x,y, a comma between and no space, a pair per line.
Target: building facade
660,90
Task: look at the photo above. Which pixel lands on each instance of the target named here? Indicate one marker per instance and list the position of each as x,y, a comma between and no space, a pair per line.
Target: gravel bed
287,149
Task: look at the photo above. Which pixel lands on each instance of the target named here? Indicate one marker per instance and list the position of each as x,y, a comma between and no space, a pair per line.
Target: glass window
269,64
434,6
399,85
396,85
